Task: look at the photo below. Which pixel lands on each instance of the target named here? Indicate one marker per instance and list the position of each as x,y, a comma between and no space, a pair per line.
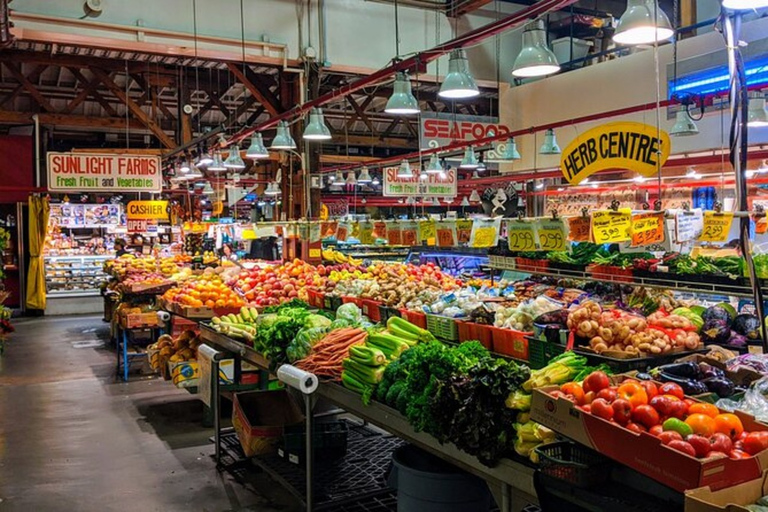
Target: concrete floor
72,438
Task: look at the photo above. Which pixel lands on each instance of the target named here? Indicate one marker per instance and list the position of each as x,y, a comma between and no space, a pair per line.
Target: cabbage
317,321
340,323
311,335
349,312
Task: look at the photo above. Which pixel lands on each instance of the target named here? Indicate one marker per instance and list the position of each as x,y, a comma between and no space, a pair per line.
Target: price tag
647,229
394,235
716,226
446,234
521,235
341,232
579,229
610,226
380,230
314,232
485,233
552,235
328,229
688,225
463,230
366,233
427,231
410,236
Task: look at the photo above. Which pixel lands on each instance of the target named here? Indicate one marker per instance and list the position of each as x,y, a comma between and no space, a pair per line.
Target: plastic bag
754,402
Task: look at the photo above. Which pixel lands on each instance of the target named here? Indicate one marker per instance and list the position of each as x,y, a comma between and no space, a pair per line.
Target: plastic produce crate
329,442
332,302
639,364
573,463
540,352
417,318
371,309
511,343
469,331
443,327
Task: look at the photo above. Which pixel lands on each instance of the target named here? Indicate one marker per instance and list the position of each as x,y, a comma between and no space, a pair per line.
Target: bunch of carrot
328,353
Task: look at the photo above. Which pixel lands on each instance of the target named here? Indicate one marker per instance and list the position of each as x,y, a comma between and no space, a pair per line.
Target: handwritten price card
394,235
521,235
688,225
485,233
552,235
428,231
463,230
328,229
380,230
610,226
410,233
579,229
354,230
342,231
366,233
716,226
446,234
647,229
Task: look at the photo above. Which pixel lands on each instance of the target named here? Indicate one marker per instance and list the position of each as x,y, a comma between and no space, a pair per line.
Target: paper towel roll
298,379
164,316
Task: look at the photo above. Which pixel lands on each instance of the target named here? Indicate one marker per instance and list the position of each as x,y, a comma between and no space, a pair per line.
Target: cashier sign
85,172
623,145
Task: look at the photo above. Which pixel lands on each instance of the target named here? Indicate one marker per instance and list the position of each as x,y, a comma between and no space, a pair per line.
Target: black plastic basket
329,442
386,312
331,302
573,463
540,352
640,364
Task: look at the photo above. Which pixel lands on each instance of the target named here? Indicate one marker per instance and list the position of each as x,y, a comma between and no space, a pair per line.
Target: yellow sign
521,235
610,226
622,145
218,207
147,210
716,226
324,213
248,234
428,231
579,229
647,229
366,233
552,235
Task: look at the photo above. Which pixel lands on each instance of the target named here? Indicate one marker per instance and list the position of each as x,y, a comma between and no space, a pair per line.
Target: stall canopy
39,211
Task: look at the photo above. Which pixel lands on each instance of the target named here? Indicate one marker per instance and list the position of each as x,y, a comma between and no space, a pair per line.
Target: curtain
39,211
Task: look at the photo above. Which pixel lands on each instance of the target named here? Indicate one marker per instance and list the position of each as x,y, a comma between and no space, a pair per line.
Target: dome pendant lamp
217,165
458,83
745,5
365,175
550,146
404,171
510,150
470,160
535,59
434,167
758,117
684,125
644,22
283,139
234,161
257,149
316,129
402,101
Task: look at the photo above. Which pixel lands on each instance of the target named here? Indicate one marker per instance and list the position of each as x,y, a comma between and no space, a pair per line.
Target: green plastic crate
540,352
443,327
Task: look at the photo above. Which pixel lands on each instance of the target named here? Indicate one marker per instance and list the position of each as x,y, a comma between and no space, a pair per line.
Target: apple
622,411
668,436
700,444
719,442
683,446
602,409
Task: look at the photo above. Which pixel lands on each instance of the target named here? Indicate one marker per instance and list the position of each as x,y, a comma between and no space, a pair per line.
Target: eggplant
721,386
709,372
747,325
644,376
690,386
688,370
715,331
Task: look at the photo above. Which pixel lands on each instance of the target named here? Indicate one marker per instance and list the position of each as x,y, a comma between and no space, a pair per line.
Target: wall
16,168
613,85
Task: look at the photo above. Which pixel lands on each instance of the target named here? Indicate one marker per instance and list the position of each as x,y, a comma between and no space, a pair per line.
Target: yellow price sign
428,231
463,230
610,226
647,229
366,233
484,237
354,230
521,235
552,235
716,226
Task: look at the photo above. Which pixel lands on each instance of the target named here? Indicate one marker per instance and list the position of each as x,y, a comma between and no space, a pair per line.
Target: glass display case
74,276
372,252
463,262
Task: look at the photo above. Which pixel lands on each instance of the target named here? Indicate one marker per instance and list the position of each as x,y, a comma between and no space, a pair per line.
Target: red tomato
670,388
650,388
756,442
602,409
721,443
661,403
596,381
668,436
683,446
634,427
633,392
656,430
701,444
574,389
585,408
607,394
645,415
738,454
677,409
622,411
589,397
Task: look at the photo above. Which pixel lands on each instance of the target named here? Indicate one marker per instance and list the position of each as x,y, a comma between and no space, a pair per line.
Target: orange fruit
220,303
209,303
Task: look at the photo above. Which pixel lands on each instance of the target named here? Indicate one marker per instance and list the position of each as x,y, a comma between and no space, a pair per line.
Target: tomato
622,411
670,388
602,409
633,392
702,408
701,424
661,403
756,442
728,424
574,389
656,430
645,415
721,443
596,381
650,388
738,454
683,446
589,397
634,427
700,444
668,436
678,409
607,394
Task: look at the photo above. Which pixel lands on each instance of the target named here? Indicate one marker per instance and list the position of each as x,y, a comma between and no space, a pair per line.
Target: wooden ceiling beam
262,93
92,90
32,77
15,70
116,123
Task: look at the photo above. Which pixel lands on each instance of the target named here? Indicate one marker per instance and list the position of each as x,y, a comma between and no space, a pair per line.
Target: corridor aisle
73,439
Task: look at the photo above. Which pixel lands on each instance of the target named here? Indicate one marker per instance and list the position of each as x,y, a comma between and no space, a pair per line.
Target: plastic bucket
426,483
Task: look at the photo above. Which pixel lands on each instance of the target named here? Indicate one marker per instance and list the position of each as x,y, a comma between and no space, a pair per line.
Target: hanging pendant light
204,158
216,165
193,174
475,176
410,200
365,175
474,196
404,171
351,178
470,160
644,22
550,146
464,201
234,161
745,5
481,163
684,125
458,83
423,176
339,177
402,101
435,201
447,200
257,149
208,189
535,59
758,117
510,150
434,167
185,166
283,139
316,129
272,189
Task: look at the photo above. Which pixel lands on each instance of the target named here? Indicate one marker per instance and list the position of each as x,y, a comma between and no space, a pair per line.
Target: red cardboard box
644,452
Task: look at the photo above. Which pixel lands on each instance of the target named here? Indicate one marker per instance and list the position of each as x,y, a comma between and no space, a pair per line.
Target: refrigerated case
74,276
463,262
13,258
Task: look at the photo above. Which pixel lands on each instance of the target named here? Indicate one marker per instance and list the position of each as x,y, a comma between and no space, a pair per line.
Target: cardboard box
186,374
179,325
642,451
730,499
259,418
138,320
